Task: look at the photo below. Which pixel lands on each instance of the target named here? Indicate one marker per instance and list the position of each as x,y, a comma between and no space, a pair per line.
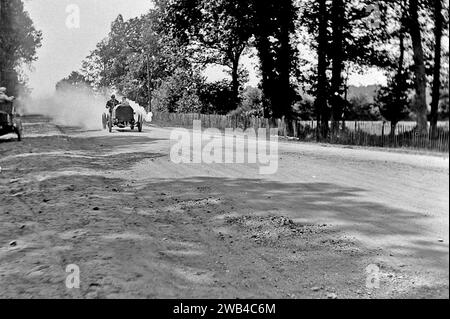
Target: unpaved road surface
140,226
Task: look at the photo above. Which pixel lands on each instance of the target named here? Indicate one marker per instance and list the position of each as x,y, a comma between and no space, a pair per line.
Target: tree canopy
19,41
306,52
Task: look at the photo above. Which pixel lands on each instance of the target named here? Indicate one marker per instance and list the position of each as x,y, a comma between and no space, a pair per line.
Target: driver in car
111,104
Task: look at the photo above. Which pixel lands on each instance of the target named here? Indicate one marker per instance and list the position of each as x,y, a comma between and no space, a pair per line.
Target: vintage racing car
9,121
122,116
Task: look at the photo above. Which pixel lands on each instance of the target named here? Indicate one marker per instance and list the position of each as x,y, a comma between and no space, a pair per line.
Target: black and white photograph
224,157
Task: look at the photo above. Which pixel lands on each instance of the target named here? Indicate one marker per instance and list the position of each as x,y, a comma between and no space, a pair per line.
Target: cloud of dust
76,107
148,117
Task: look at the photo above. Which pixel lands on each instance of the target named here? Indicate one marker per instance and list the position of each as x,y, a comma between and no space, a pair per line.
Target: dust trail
148,117
77,107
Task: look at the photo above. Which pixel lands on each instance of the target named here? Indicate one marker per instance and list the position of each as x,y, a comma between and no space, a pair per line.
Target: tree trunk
2,33
262,33
338,16
149,85
438,20
420,103
275,20
6,65
284,96
266,83
235,82
401,60
321,95
393,127
400,85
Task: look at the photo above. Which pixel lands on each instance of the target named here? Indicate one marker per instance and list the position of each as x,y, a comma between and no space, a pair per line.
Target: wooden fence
375,134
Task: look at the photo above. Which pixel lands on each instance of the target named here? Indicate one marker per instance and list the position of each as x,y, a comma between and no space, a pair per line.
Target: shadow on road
321,203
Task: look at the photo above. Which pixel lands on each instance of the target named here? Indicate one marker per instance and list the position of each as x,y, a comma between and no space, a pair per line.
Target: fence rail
376,134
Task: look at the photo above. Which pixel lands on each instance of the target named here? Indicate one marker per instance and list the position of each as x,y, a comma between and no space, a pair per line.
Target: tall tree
420,79
436,96
19,41
4,26
216,31
351,45
75,80
321,104
393,99
273,28
285,59
263,32
337,55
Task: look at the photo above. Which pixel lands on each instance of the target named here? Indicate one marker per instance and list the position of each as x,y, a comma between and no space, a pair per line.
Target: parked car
9,120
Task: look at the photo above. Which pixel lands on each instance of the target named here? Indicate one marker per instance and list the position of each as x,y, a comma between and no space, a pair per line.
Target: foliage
217,97
304,109
19,41
393,101
360,109
179,93
213,32
251,103
74,81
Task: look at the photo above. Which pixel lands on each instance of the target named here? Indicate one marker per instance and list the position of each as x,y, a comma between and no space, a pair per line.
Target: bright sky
64,48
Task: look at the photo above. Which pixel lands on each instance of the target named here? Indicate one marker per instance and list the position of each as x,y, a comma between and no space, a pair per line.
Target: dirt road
140,226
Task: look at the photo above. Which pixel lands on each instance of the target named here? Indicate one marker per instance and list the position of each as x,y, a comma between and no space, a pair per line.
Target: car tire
19,134
104,121
18,129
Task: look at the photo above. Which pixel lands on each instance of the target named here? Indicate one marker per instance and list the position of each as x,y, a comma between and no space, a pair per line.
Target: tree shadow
120,227
320,203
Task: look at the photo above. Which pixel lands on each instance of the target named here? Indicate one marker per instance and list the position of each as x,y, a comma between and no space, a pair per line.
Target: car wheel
104,121
19,134
140,124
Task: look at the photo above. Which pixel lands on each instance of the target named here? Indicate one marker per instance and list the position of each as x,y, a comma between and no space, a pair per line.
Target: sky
65,46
